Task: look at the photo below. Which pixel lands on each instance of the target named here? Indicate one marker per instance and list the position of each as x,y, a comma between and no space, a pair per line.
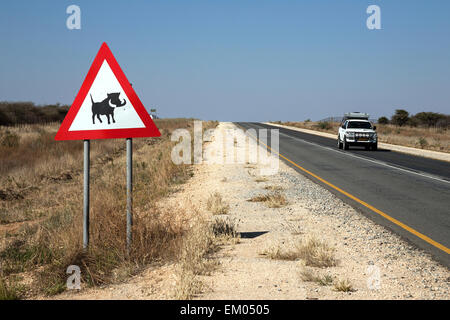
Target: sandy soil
361,247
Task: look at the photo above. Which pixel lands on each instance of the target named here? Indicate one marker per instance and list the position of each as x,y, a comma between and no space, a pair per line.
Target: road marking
381,213
381,163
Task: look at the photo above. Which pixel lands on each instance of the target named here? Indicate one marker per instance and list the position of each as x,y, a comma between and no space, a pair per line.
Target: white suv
357,131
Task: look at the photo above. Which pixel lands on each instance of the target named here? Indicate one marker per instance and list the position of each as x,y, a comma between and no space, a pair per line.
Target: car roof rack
355,115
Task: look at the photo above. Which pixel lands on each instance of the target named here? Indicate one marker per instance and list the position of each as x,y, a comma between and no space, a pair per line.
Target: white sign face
106,106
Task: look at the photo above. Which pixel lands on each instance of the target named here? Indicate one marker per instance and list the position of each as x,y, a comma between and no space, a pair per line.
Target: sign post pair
106,107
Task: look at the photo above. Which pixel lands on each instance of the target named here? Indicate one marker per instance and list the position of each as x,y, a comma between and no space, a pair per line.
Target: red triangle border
150,129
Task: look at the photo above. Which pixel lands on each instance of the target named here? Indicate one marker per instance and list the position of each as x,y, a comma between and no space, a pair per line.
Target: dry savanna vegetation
41,209
312,251
309,276
216,205
271,200
314,255
428,138
196,257
341,285
21,113
274,188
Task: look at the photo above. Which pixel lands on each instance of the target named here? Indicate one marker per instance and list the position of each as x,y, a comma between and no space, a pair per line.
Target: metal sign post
86,194
129,191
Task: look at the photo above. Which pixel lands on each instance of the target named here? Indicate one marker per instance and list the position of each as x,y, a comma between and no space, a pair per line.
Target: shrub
224,227
9,140
324,125
383,120
343,286
9,290
216,205
428,119
313,252
316,253
423,142
307,275
13,113
400,118
272,200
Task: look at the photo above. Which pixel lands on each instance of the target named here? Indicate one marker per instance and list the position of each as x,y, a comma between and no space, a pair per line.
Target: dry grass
274,188
261,179
9,289
198,244
343,286
316,253
309,276
225,231
271,200
437,139
187,286
313,252
196,259
279,253
216,205
424,138
44,188
326,280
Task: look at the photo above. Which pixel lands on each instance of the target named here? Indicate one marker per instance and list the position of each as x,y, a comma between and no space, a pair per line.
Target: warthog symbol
106,107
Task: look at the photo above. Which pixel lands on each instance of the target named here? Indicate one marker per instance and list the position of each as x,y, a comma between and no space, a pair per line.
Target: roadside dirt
363,249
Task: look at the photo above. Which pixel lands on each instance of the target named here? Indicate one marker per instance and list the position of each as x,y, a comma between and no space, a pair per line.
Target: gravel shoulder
361,247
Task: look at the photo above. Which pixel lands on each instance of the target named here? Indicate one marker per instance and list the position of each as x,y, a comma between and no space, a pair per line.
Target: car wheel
367,147
345,144
375,147
339,143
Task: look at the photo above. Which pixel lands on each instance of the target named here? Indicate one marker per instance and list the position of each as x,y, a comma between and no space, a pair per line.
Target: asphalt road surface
384,185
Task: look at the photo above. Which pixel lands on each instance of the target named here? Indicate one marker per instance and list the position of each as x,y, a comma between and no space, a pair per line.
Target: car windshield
359,125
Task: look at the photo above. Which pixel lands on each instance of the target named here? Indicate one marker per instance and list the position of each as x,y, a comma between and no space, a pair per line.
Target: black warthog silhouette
106,107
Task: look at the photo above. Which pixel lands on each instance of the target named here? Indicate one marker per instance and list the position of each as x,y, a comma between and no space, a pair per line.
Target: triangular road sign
106,107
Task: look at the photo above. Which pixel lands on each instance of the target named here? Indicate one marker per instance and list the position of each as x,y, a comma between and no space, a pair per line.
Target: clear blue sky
236,59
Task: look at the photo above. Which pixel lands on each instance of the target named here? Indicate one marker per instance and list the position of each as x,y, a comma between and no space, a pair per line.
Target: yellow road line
381,213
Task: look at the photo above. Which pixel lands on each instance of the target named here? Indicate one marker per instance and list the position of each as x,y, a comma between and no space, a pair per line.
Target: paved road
413,190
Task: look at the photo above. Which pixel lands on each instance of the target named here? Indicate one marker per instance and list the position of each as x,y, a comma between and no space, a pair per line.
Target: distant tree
400,118
413,122
429,119
4,119
13,113
444,122
383,120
